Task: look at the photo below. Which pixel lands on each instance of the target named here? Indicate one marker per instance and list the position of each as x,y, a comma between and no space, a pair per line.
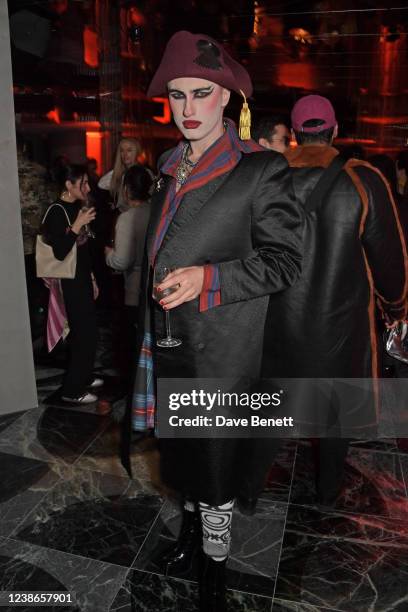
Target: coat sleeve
384,244
277,236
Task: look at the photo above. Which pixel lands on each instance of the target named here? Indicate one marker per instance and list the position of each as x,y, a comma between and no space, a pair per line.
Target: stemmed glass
160,273
88,231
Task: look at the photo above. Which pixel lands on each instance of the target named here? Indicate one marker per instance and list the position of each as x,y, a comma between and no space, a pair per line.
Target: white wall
17,381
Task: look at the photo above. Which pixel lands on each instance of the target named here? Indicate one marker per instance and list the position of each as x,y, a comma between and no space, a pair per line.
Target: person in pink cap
225,220
355,258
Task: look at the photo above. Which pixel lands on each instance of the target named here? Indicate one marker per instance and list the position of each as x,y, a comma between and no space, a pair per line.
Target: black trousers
332,454
80,308
331,460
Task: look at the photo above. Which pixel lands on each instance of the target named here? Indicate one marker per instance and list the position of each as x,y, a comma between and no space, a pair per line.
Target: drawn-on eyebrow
205,89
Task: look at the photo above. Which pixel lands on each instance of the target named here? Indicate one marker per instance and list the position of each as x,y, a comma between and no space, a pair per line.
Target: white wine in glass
160,273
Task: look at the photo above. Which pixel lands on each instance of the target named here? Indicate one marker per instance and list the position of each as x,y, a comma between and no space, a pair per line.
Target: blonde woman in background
127,153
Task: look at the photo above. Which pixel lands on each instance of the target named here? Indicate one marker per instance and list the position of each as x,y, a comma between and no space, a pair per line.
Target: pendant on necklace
185,167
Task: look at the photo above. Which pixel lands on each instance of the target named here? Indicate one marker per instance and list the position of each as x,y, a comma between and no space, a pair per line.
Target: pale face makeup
198,106
127,153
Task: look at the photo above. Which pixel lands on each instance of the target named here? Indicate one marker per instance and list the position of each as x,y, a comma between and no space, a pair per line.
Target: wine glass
160,273
87,229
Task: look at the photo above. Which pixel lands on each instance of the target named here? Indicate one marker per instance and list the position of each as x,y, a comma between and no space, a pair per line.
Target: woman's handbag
48,266
396,341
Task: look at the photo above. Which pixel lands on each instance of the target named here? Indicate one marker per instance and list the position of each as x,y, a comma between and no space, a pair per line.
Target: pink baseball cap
313,107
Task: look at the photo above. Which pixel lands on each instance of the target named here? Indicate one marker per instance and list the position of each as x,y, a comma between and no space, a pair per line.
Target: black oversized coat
248,222
325,325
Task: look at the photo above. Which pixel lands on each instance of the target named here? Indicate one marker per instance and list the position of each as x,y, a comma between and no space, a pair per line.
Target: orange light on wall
142,158
91,57
361,141
136,17
301,75
166,116
94,147
53,115
383,120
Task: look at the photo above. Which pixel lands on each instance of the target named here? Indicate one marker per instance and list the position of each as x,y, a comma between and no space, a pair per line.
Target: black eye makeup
197,93
203,93
176,95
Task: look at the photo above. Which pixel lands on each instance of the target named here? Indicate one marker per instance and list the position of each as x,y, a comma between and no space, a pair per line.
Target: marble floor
71,520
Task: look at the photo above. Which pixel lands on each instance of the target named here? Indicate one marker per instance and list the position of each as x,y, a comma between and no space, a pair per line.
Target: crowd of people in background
121,201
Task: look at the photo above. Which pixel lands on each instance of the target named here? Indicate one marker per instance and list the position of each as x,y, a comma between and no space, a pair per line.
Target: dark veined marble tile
336,524
279,605
94,515
103,455
256,543
24,567
332,565
24,482
404,465
279,480
255,550
51,434
386,445
16,574
372,483
145,592
7,419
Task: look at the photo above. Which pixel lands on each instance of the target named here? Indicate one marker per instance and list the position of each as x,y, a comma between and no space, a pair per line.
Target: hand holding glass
87,228
160,273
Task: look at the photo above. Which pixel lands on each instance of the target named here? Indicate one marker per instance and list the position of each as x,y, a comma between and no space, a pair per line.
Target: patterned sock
216,521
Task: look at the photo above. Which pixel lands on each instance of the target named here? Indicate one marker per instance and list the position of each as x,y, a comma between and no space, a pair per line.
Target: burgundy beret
202,57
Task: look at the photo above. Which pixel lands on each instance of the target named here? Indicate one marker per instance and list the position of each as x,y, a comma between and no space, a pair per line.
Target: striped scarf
220,158
57,324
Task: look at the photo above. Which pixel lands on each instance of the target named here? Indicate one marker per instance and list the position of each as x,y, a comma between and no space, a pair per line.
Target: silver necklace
185,166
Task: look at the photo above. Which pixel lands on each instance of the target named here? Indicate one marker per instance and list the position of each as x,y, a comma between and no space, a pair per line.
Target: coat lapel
191,205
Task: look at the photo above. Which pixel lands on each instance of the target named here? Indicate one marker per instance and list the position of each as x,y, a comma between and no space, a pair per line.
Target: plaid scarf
220,158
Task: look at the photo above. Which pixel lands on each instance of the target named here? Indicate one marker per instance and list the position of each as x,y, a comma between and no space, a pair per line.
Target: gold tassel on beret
245,120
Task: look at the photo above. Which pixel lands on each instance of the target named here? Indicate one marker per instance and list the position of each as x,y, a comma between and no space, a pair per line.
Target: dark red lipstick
191,125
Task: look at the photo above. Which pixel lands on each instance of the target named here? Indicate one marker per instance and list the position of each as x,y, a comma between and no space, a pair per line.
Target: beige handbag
48,266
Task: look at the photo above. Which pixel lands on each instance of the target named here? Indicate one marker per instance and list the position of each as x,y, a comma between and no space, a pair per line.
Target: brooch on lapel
159,184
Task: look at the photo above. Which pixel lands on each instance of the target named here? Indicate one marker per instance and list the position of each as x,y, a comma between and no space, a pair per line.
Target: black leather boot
178,560
212,585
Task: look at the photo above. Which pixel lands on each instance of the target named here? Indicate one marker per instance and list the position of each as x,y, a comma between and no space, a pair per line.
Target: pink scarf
57,327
